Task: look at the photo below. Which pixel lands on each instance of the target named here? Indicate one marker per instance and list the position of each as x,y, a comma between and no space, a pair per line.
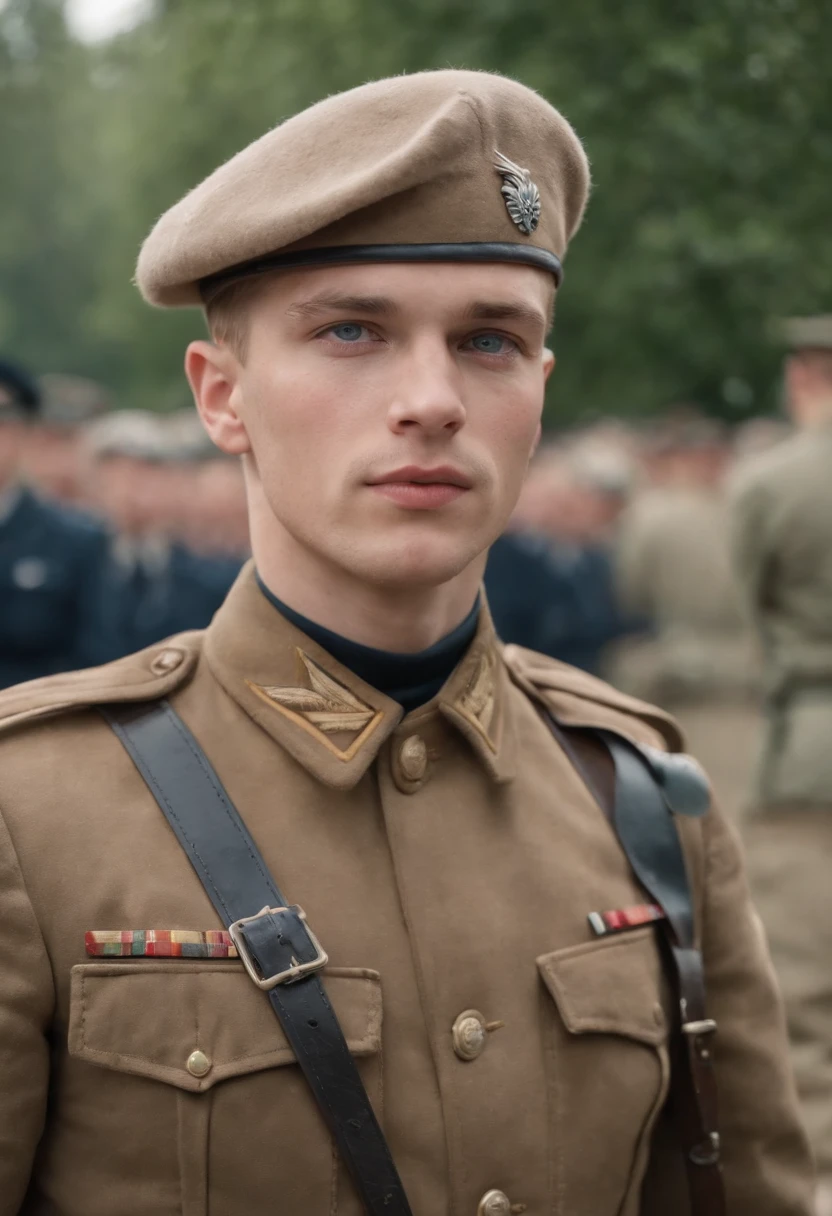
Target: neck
405,620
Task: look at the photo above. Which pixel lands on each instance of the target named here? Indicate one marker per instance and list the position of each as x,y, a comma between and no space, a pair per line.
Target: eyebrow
336,302
504,310
478,310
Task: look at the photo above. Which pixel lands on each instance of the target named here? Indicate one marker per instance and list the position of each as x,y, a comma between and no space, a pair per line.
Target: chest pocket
194,1066
608,1067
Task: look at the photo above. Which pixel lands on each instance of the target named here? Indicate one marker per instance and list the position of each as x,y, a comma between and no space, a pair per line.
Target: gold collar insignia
476,703
325,708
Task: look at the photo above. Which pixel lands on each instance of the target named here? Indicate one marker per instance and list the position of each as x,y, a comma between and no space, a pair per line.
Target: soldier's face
388,413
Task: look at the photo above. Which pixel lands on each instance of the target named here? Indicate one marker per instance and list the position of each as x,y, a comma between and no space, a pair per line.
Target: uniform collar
328,719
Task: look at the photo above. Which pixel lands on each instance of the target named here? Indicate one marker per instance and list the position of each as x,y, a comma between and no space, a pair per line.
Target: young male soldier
378,274
782,529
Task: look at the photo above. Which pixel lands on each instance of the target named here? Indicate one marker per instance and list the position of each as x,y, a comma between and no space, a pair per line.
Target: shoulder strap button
685,786
166,660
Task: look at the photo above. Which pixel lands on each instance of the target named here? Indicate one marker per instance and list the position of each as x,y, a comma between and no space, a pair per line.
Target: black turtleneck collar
410,679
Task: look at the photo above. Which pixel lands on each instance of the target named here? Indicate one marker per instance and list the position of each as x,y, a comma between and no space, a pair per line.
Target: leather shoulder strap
274,941
638,790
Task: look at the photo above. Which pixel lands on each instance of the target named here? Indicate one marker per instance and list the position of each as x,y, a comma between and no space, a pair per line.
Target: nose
429,394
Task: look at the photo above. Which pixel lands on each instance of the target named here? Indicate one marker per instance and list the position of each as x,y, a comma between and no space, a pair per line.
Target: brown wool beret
446,166
806,333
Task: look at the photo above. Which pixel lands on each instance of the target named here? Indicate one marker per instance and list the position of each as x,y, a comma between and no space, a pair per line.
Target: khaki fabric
701,662
788,854
674,563
408,160
724,735
782,540
461,882
782,536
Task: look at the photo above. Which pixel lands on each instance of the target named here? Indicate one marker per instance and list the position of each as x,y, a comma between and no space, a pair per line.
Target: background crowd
617,559
675,532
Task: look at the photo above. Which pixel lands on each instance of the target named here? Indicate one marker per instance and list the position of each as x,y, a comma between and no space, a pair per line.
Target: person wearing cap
153,585
378,274
550,579
674,566
53,451
50,558
782,536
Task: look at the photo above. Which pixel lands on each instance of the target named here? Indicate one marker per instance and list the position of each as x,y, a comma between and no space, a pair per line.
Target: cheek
295,425
513,421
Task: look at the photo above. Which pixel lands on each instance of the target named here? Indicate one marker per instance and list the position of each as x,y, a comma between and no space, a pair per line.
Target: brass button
469,1034
198,1064
413,758
166,660
494,1203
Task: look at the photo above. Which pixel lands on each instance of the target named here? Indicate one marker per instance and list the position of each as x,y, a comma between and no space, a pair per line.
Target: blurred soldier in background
674,567
534,599
782,527
549,582
218,510
156,586
50,558
53,446
210,514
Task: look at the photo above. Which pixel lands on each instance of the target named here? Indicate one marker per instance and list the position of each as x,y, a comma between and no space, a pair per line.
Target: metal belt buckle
297,971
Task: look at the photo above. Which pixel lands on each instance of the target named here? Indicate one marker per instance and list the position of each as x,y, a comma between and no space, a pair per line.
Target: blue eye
348,332
491,344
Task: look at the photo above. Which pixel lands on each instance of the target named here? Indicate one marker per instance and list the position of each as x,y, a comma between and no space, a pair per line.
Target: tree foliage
707,125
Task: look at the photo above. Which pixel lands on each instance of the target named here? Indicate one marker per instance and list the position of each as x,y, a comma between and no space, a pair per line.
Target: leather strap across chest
277,947
283,957
632,786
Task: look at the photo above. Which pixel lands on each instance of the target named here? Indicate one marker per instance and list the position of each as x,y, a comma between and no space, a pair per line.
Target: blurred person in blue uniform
534,600
155,585
51,559
550,581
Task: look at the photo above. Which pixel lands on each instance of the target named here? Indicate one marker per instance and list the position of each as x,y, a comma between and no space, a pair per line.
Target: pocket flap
611,986
147,1019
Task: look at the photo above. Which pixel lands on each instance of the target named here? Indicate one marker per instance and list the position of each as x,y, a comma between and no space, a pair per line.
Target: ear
548,363
214,376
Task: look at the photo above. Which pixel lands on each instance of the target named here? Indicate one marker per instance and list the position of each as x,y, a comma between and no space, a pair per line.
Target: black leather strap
639,802
346,255
237,881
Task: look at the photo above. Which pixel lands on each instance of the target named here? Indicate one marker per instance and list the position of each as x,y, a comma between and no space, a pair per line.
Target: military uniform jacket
782,539
447,861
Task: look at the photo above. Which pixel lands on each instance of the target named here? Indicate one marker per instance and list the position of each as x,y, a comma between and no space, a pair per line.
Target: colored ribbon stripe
621,919
159,943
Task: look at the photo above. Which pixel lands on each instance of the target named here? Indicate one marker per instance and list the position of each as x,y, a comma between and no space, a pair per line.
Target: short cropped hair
227,312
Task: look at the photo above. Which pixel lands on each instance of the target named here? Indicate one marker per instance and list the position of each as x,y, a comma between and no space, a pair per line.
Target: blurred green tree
50,207
707,125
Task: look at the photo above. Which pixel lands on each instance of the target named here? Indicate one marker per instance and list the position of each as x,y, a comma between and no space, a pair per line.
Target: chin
424,563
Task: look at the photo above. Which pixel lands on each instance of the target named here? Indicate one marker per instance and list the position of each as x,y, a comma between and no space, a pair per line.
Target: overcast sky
95,20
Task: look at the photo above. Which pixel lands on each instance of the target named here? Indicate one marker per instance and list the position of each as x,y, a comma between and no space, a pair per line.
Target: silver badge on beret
521,195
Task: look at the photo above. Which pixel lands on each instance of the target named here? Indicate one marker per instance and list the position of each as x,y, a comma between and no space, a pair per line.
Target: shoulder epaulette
577,698
143,676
